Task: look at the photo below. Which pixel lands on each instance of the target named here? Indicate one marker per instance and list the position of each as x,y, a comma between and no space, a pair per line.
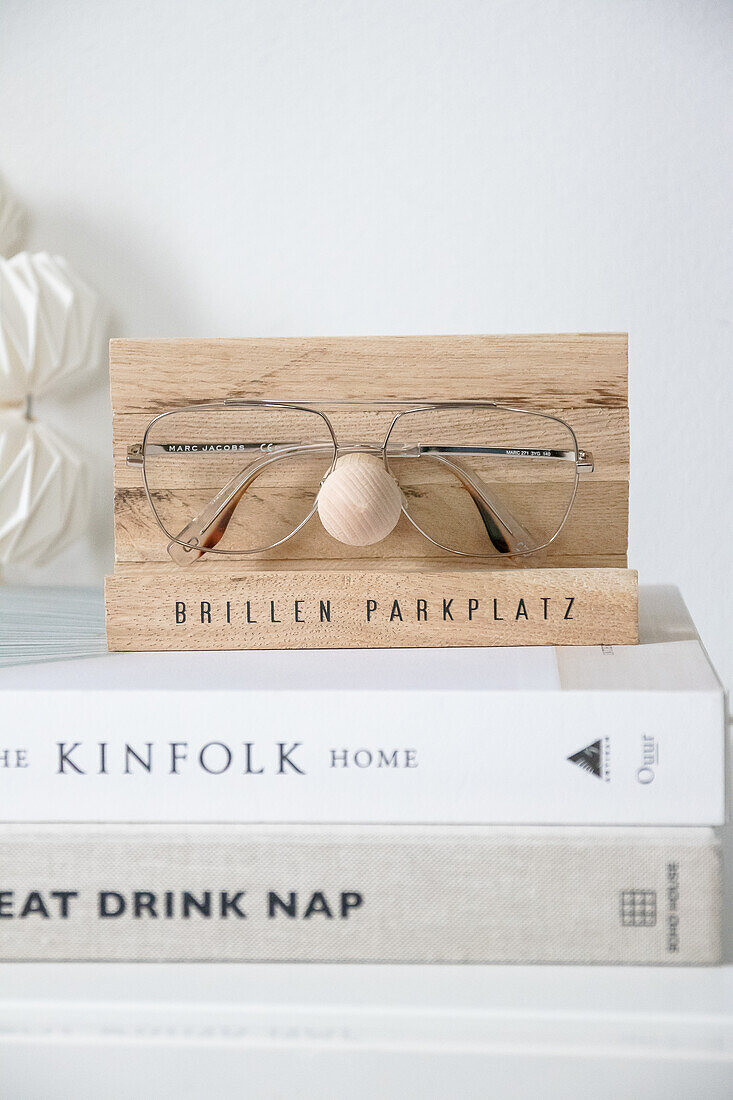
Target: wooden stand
402,591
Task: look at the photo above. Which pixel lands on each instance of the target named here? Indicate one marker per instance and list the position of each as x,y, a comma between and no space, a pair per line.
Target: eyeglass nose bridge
348,447
352,447
378,449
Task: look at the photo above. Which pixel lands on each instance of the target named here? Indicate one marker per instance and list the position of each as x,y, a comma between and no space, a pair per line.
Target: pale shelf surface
314,1031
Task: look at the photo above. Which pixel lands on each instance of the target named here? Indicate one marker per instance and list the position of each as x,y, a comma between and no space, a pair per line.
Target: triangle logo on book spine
589,758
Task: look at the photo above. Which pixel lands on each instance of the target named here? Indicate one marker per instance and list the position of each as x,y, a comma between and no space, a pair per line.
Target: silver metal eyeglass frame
201,534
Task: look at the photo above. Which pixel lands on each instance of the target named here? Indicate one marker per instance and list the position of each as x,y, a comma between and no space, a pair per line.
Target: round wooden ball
359,502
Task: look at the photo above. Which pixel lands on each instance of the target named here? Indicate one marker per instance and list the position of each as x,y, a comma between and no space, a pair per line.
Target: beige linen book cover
354,893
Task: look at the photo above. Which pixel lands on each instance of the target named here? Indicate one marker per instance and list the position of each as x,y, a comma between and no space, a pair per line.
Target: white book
592,735
359,893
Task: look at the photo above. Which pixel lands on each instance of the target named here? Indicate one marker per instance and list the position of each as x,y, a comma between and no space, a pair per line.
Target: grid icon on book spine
638,908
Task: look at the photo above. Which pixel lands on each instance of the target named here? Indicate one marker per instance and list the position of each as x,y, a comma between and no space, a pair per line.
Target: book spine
359,894
545,757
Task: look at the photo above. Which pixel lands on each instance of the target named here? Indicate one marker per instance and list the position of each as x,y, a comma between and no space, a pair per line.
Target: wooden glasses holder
313,592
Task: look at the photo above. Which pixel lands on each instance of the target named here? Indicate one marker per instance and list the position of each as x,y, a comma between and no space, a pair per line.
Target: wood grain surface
597,527
566,370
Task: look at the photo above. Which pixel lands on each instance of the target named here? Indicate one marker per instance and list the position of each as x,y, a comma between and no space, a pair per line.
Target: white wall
291,167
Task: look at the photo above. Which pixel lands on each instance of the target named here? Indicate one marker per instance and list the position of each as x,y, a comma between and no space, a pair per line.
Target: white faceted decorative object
359,502
12,221
44,493
51,326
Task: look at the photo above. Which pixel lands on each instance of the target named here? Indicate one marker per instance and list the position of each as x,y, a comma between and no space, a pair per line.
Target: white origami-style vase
51,326
12,221
51,331
44,492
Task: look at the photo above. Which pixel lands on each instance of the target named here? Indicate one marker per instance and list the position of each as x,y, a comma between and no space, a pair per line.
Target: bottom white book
359,893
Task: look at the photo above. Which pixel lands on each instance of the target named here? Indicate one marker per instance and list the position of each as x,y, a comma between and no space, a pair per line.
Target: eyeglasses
474,478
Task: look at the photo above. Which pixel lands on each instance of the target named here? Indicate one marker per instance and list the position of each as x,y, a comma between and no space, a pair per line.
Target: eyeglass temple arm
207,528
507,534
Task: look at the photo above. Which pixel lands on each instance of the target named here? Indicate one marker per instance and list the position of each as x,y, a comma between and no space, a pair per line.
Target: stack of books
530,806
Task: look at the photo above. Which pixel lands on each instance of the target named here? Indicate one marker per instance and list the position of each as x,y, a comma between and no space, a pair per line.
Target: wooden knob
359,502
